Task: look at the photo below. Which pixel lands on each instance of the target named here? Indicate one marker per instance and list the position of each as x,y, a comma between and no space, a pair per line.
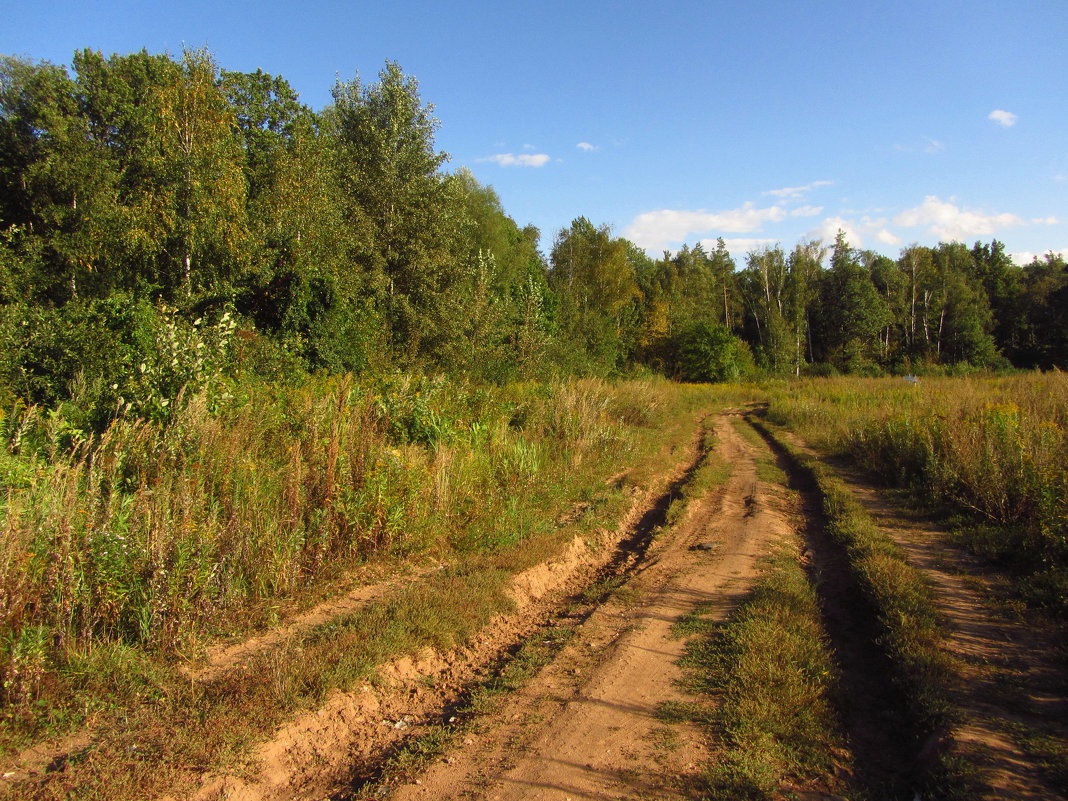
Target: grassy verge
769,667
1049,753
910,632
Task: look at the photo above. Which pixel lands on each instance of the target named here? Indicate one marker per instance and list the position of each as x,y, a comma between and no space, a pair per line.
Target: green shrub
710,352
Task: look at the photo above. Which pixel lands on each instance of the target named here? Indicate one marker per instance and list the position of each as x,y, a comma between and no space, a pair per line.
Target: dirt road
597,723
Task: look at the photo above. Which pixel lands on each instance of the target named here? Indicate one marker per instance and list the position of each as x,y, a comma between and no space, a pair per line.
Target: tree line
166,223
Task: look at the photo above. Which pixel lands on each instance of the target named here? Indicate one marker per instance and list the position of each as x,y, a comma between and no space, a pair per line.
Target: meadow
127,553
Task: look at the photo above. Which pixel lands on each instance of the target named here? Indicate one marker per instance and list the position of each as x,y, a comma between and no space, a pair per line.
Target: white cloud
943,220
1004,118
655,230
928,145
520,160
796,192
586,146
1025,257
806,211
829,228
949,222
529,147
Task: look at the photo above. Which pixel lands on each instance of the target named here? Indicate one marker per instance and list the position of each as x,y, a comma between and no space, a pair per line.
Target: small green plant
186,359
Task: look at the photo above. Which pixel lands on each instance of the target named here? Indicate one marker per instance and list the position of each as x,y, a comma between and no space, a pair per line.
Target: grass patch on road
769,667
711,471
767,469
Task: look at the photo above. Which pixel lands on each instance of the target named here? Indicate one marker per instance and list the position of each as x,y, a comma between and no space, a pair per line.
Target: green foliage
709,352
595,280
185,359
851,314
269,113
345,247
389,173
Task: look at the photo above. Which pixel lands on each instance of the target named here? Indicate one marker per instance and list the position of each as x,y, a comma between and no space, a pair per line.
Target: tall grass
152,538
995,449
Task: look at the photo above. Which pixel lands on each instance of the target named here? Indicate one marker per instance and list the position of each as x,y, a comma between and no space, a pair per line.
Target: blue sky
756,121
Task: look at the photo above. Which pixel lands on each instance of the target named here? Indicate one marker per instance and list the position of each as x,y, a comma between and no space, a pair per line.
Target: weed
693,622
1050,753
602,589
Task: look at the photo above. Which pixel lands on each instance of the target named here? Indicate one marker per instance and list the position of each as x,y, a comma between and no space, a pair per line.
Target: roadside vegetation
786,668
129,553
991,452
902,603
156,537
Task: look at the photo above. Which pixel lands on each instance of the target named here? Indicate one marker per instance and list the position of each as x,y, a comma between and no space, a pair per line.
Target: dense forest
167,226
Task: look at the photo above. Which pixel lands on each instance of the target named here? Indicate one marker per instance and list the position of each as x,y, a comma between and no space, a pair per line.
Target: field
423,588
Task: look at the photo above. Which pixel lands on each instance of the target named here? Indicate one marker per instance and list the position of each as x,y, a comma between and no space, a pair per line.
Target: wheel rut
884,741
1005,678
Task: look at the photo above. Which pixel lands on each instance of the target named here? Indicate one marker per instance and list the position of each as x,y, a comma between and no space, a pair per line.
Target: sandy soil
591,725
